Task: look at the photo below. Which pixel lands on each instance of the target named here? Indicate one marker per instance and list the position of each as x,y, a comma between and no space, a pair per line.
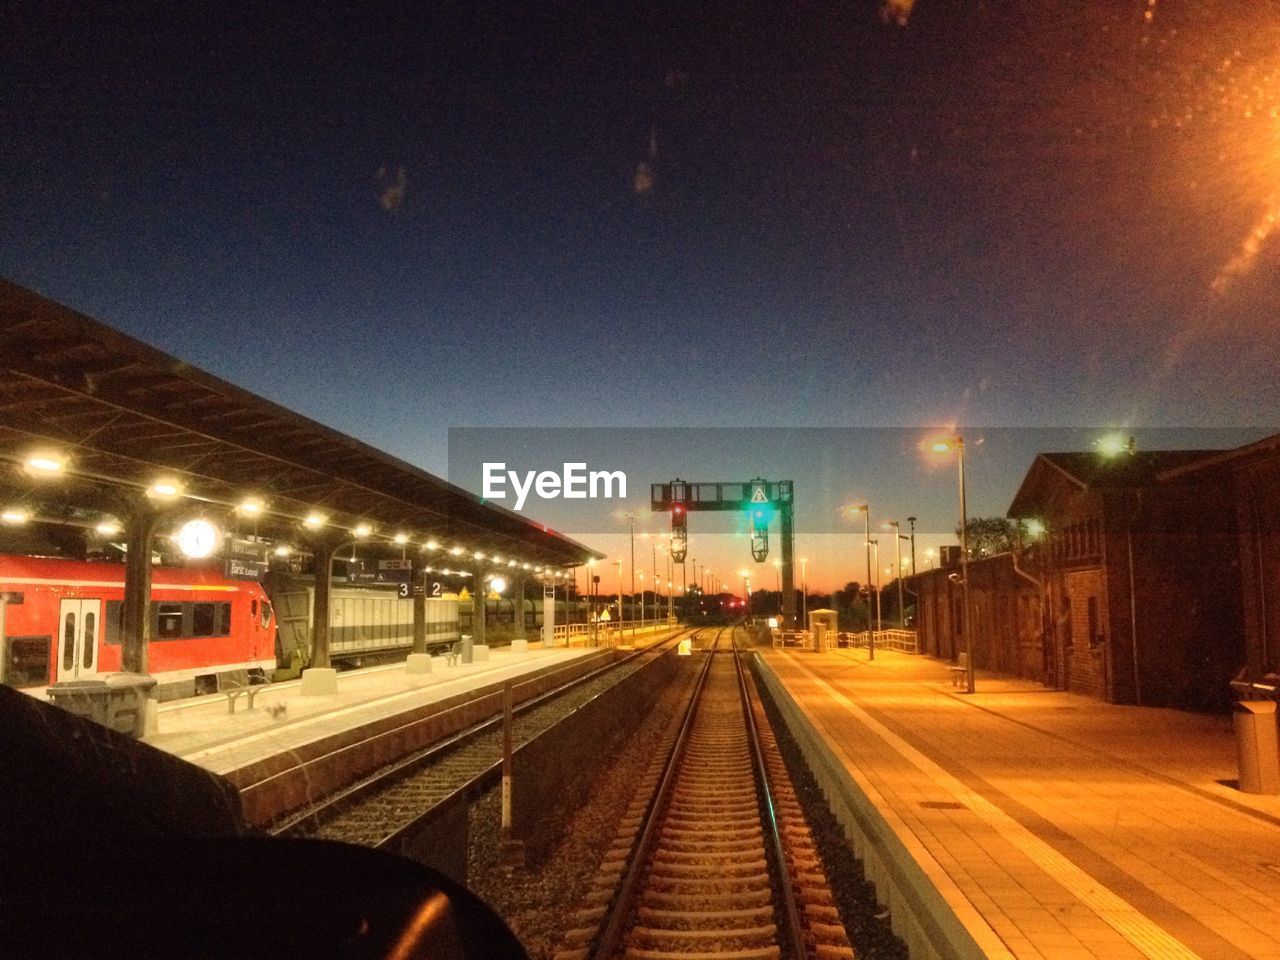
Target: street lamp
946,445
912,521
897,541
804,591
631,523
865,510
620,616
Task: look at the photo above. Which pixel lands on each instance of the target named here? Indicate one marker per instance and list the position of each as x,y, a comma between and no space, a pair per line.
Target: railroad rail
714,857
389,807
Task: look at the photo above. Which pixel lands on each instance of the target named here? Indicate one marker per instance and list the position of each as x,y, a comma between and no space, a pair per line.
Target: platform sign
381,571
395,571
245,560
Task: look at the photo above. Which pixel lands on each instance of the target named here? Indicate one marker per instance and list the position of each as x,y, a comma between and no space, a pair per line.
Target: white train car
366,623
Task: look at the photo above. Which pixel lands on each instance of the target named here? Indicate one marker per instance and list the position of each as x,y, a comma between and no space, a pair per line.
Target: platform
1026,822
292,749
200,730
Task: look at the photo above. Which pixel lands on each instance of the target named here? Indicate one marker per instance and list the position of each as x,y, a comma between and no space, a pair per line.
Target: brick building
1008,616
1252,473
1150,584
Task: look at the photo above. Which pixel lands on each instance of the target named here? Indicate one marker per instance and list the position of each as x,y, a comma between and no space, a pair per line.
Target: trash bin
84,698
119,701
1256,746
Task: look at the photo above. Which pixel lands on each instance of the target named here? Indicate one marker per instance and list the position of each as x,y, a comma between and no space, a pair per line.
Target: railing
901,640
608,632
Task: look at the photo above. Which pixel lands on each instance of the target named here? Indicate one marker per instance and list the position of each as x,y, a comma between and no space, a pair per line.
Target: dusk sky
402,218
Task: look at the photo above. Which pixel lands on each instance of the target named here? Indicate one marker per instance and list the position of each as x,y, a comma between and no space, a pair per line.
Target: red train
61,620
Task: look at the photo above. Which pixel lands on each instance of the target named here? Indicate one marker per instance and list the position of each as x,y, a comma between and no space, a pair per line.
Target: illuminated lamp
165,489
45,464
197,538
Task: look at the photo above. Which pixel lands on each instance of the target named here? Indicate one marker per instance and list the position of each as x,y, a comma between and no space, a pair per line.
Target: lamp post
653,544
946,445
865,510
875,547
642,601
897,542
631,524
684,589
804,591
620,615
912,521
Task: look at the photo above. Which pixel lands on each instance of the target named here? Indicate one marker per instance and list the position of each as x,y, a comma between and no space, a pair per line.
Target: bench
960,672
235,689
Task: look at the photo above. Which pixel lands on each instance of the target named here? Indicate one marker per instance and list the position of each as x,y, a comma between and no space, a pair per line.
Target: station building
1154,581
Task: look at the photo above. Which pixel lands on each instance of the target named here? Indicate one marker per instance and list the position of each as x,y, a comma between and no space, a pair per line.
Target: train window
115,622
224,619
253,608
266,614
168,621
204,620
90,639
69,642
26,661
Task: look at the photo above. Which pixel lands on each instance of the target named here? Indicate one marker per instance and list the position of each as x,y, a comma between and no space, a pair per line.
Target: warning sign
758,495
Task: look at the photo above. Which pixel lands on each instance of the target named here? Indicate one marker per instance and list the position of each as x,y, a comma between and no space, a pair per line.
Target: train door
79,625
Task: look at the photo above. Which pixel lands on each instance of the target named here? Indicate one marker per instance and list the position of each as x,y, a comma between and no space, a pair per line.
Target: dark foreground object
110,848
238,897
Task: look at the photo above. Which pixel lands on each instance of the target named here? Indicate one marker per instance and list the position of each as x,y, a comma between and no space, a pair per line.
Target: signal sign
758,494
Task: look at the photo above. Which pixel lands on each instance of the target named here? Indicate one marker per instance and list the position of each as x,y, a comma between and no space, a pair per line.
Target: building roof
124,412
1094,470
1259,449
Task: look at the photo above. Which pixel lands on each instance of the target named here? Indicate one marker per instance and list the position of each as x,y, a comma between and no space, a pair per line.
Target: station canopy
124,414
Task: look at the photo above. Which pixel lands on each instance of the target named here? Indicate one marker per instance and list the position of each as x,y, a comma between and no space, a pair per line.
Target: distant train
63,619
366,623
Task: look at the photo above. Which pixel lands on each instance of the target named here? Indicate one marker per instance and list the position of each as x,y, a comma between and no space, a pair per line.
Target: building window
1095,624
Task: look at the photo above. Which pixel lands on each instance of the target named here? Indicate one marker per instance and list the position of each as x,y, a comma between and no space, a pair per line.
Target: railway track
714,858
400,800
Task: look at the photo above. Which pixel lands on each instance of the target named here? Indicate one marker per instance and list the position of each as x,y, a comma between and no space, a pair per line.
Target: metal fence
607,633
901,640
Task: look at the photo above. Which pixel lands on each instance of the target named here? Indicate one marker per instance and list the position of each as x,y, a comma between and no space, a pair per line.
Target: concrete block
319,682
519,646
479,652
418,663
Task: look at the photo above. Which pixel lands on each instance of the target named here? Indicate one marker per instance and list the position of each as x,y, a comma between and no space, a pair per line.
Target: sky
400,219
